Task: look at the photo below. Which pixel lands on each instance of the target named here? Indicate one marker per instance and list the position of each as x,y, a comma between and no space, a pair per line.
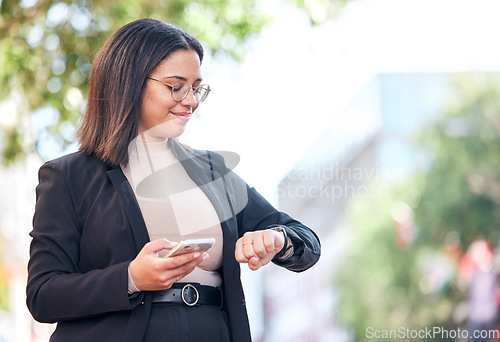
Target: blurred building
369,141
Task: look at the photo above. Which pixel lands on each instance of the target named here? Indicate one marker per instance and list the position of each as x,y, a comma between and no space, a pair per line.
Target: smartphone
186,246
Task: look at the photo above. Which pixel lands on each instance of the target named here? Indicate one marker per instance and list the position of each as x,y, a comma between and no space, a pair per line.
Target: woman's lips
183,116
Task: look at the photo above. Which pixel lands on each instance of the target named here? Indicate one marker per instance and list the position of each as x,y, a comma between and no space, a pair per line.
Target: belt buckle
197,295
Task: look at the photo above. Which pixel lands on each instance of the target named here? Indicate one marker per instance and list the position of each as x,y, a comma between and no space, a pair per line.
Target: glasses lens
201,92
179,90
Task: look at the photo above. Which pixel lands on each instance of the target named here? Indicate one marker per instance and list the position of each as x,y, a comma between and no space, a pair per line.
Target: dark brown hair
111,118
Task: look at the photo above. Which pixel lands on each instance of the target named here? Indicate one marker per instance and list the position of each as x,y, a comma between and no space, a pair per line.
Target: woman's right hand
150,272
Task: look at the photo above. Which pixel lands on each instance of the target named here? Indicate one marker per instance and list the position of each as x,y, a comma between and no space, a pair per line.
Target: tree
462,188
386,284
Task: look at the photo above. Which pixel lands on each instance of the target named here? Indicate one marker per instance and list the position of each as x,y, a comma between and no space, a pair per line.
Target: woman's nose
190,100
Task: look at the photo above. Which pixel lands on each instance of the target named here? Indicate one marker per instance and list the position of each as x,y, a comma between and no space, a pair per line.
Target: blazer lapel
131,207
138,320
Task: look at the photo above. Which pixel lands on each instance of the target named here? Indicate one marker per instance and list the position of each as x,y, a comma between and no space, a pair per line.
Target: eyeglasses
181,89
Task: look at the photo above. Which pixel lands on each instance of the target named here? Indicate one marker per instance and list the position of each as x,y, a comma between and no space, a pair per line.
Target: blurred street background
374,122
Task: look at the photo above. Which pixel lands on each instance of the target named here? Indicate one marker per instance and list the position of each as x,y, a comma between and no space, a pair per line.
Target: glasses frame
194,89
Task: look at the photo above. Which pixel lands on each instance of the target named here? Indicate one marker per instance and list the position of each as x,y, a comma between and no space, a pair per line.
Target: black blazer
88,226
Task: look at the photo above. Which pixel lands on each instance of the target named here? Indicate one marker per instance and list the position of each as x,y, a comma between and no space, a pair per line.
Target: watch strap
287,244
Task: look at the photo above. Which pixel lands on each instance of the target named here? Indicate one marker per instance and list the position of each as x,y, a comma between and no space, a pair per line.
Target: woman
105,215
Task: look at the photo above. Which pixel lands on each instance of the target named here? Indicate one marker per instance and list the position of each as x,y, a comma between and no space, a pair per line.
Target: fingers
179,267
158,245
264,244
150,272
244,249
255,263
258,248
239,253
184,261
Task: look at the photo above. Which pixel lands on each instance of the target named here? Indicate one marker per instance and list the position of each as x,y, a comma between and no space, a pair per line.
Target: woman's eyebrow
181,78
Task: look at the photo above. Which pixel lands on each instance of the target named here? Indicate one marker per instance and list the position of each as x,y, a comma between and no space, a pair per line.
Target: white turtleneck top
173,206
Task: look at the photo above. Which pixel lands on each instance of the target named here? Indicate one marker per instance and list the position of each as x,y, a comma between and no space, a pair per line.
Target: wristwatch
287,245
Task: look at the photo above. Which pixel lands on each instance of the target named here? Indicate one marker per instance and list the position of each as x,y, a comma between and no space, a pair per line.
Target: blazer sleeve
257,213
57,289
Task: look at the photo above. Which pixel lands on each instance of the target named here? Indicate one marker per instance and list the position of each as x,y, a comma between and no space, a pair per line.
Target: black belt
190,294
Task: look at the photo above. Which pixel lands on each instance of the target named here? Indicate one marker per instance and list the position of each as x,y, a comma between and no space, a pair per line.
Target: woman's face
160,115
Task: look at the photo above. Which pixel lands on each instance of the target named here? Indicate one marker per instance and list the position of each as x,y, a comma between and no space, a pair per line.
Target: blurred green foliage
320,10
402,270
461,192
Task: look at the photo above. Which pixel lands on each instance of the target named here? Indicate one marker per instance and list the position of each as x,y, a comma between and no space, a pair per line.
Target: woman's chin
166,130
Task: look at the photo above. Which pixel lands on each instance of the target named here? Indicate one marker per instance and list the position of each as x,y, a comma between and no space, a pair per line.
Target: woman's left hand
258,248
